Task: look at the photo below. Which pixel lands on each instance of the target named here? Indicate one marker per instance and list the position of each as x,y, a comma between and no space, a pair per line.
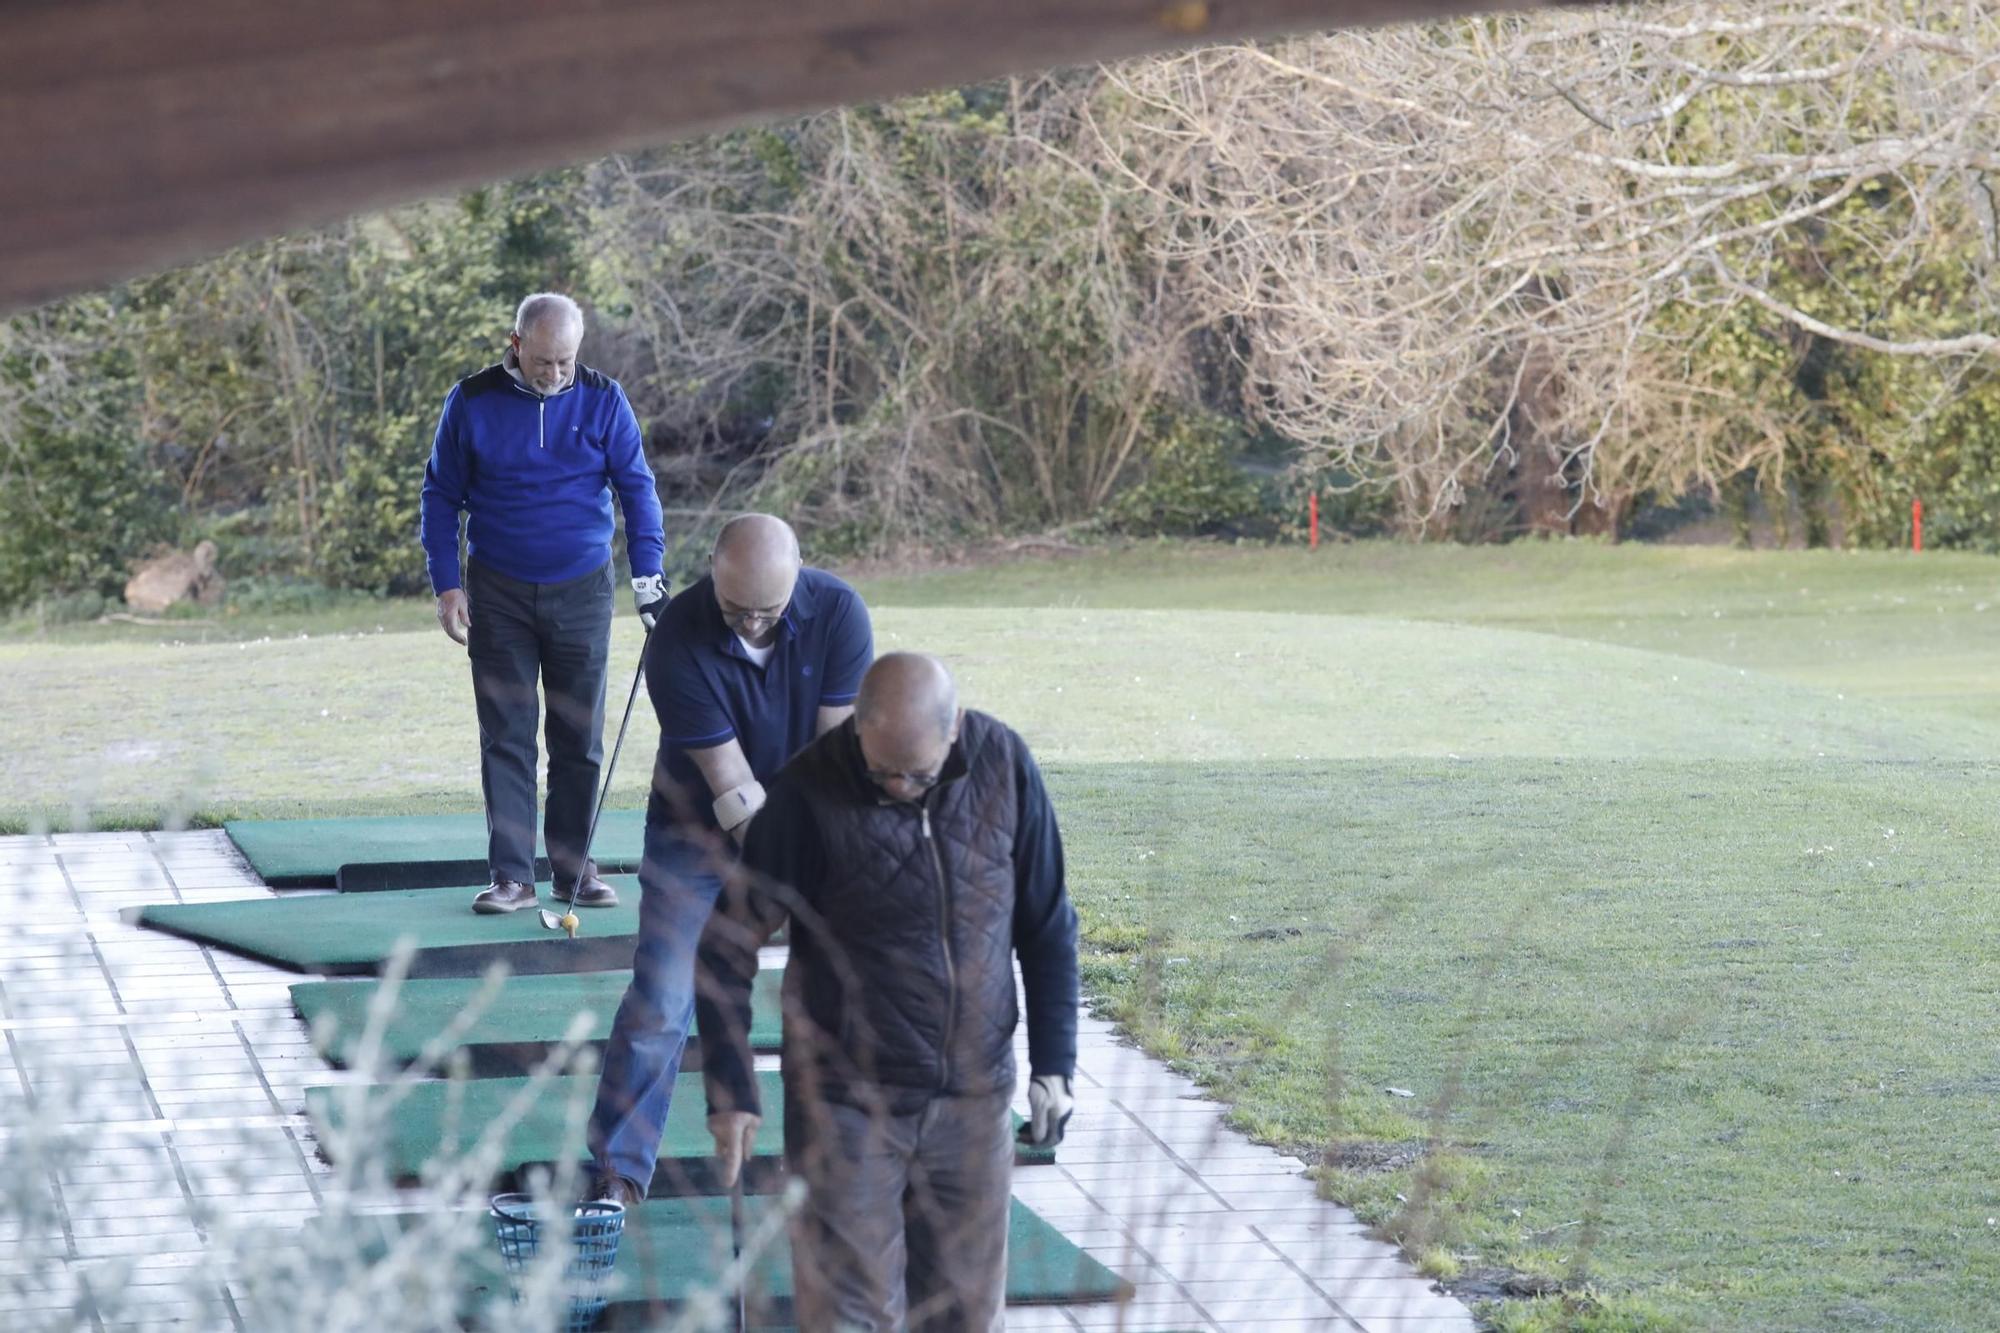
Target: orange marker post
1312,507
1917,524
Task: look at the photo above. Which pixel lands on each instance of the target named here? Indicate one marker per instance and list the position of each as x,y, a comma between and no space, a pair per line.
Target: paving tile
154,1204
1038,1319
1117,1319
1276,1287
1255,1312
1160,1168
1418,1304
1176,1253
1264,1276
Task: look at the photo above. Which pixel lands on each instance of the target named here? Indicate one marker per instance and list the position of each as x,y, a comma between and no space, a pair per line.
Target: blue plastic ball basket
520,1224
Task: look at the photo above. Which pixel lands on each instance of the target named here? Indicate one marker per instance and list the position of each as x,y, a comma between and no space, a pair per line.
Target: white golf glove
1049,1107
650,595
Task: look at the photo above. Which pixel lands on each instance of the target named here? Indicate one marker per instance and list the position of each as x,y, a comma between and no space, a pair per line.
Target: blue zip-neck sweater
535,474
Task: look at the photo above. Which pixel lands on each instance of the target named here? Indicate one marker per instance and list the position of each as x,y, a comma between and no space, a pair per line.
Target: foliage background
1169,297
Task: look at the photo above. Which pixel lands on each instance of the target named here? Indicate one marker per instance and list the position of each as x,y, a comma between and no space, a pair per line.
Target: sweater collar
511,363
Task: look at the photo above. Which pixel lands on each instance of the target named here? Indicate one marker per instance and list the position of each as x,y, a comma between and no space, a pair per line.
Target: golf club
736,1248
568,921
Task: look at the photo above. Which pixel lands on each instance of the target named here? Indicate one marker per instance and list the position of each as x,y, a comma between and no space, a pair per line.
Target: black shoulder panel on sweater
586,378
489,380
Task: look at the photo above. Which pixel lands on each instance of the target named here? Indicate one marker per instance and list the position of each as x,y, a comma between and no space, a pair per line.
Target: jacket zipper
542,424
950,964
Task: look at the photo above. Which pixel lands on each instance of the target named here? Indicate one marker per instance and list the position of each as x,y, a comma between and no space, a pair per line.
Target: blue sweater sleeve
446,477
638,493
1045,925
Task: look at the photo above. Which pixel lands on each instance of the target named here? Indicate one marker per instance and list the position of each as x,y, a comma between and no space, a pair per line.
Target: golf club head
549,920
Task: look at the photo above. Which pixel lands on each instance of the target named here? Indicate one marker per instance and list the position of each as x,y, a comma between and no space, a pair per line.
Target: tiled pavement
151,1091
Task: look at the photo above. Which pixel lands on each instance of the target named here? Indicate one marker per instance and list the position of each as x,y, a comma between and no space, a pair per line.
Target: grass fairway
383,722
1918,631
1659,876
1717,1034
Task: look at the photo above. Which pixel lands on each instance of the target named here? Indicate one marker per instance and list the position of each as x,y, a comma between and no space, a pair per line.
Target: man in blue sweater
531,450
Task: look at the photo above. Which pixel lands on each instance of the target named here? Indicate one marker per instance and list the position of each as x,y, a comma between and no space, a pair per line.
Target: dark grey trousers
904,1225
557,634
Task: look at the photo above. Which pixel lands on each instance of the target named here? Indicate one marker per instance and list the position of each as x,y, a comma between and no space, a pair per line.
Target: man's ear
956,718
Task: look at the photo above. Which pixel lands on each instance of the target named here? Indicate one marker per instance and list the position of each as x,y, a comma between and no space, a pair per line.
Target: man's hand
1049,1107
735,1133
455,613
649,594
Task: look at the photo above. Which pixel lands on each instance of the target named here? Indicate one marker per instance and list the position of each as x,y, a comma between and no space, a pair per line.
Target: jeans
904,1224
678,885
559,634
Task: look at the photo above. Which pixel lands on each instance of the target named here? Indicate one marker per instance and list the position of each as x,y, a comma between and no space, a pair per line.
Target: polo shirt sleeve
850,648
690,715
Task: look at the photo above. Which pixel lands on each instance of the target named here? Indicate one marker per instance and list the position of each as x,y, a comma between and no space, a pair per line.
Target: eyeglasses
738,619
921,781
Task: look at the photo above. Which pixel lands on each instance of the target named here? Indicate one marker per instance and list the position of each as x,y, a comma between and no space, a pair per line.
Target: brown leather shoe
607,1187
503,895
590,891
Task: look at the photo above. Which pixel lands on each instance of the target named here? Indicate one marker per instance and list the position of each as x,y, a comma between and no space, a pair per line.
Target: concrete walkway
152,1090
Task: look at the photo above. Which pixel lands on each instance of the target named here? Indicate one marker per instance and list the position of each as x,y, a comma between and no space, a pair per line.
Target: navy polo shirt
706,690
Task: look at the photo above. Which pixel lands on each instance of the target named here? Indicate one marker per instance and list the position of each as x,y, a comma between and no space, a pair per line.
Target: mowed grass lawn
1659,877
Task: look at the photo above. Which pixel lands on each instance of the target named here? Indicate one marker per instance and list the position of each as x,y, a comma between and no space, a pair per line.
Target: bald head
756,565
906,718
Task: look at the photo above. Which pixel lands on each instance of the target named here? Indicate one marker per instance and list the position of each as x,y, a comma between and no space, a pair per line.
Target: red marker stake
1916,525
1313,507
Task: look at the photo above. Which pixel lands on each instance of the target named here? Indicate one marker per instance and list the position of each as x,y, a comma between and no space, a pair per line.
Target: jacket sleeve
446,478
781,857
638,492
1045,925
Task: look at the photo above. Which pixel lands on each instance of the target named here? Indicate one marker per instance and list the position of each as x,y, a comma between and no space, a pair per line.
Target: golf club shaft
611,767
736,1248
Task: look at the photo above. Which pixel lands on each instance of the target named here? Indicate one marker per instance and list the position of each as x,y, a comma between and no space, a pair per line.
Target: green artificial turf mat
356,933
528,1013
445,1115
291,853
673,1249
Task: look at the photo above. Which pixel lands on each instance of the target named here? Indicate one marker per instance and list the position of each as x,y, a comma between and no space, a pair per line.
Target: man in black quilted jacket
915,853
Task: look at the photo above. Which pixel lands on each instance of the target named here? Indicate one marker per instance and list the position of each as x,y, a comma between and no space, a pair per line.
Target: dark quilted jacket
909,966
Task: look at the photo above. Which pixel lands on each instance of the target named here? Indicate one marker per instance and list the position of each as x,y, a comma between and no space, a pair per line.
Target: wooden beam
146,133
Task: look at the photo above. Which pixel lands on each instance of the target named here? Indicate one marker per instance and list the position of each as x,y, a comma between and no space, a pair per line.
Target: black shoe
590,891
503,895
607,1187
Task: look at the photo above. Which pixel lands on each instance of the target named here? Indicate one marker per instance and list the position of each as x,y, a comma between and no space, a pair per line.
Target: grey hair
544,307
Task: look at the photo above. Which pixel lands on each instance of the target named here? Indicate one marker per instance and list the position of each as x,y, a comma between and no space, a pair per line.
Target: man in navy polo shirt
749,665
531,450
